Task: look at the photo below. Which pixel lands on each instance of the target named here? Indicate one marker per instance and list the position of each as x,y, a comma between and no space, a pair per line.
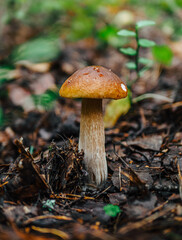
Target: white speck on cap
123,87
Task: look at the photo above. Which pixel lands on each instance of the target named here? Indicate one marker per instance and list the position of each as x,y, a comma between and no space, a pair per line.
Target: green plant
112,210
162,54
41,49
49,204
46,100
140,65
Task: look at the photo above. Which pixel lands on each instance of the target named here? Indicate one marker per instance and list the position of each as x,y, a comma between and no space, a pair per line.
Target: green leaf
45,100
131,65
179,3
37,50
146,43
126,33
144,23
128,51
146,61
112,210
162,54
49,204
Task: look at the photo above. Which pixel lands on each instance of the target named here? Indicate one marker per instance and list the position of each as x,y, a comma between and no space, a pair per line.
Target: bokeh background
43,42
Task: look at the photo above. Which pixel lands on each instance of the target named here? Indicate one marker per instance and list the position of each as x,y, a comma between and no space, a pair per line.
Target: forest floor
44,195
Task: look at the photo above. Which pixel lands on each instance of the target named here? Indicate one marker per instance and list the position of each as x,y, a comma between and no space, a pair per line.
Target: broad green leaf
162,54
128,51
115,109
126,33
146,61
131,65
37,50
112,210
144,23
146,43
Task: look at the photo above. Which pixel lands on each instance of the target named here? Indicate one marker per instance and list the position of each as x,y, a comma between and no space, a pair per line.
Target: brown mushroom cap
93,82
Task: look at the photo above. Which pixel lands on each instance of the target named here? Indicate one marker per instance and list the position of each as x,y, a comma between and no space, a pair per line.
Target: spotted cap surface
94,82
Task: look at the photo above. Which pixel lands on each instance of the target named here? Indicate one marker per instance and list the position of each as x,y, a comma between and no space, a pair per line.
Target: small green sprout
49,204
141,42
112,210
162,54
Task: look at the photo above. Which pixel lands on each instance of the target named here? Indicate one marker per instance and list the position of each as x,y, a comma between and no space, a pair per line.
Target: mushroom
92,84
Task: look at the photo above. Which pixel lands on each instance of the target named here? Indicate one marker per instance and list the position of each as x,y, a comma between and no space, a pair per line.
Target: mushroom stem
92,139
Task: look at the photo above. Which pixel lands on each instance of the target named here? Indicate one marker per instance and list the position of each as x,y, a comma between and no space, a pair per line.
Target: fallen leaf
115,109
152,142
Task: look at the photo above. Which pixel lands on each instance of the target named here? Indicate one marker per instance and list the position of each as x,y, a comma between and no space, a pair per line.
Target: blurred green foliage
46,100
74,19
165,12
162,54
5,74
37,50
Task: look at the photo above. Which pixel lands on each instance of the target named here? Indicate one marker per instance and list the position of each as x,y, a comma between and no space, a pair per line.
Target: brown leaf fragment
133,178
125,178
152,142
117,198
145,176
132,226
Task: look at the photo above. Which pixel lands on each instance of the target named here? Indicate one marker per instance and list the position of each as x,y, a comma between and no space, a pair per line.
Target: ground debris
64,168
23,180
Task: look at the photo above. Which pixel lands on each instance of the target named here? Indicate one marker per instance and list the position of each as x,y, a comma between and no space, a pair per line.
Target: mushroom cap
94,82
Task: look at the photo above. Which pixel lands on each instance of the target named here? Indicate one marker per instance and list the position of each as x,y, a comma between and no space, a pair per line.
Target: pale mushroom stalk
92,139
